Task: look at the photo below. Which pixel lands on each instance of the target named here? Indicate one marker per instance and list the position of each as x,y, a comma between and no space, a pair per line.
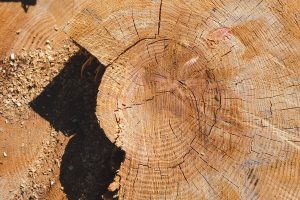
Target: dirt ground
51,144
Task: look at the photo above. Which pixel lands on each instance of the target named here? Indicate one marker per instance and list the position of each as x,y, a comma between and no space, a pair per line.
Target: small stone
18,32
55,28
47,42
41,54
49,47
12,56
52,183
50,58
4,154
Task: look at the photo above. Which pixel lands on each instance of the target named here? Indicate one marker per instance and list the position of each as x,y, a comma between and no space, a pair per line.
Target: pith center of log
167,104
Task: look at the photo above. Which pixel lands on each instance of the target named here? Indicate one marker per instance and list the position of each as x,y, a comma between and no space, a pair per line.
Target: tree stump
30,30
203,96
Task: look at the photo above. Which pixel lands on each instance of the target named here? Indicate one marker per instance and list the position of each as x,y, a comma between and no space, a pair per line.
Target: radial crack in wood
203,96
107,28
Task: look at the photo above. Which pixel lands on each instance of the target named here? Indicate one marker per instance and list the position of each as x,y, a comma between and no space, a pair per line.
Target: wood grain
23,141
30,30
202,95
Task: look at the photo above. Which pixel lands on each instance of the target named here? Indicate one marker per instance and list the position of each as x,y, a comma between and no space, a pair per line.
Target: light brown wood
203,96
24,138
30,30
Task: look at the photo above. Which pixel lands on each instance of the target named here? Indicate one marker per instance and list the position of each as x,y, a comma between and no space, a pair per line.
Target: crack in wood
159,17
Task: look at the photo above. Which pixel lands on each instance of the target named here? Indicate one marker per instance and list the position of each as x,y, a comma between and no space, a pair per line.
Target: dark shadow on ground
25,3
90,160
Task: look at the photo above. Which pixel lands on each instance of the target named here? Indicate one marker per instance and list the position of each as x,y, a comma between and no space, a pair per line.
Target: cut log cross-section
203,96
30,30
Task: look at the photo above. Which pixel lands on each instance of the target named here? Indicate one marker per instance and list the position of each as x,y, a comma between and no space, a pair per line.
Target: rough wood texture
22,141
202,95
31,30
